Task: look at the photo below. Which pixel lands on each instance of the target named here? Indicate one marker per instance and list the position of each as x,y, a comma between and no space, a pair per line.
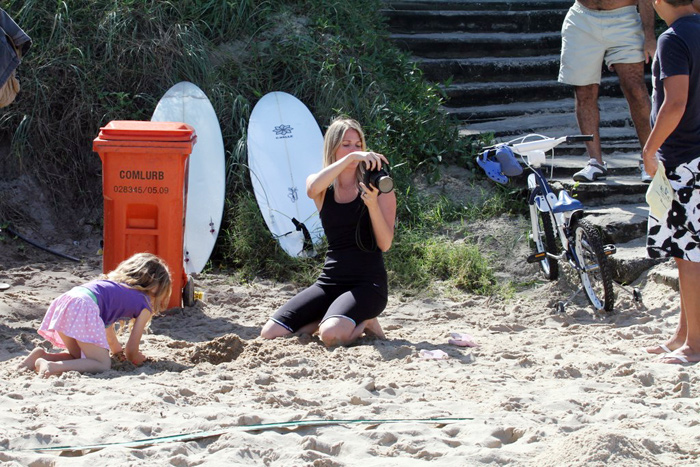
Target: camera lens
384,183
381,180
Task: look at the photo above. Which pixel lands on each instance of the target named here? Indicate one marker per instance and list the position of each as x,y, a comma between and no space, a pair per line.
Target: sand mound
220,350
589,447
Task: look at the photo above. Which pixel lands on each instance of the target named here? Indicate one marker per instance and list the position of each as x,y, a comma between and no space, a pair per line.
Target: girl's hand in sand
138,359
119,356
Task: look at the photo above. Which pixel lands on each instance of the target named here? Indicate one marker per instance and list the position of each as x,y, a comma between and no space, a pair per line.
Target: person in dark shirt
359,224
675,141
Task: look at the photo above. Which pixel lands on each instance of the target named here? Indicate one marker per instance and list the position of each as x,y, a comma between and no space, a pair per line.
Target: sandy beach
542,388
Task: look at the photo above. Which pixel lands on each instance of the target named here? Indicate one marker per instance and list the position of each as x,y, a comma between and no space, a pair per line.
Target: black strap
308,246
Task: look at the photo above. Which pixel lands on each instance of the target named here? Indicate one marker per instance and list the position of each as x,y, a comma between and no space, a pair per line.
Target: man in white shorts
614,32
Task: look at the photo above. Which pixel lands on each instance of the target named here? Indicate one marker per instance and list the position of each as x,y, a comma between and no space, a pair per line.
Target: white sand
543,389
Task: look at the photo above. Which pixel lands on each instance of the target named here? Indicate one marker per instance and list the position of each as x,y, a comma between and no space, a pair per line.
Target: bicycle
559,233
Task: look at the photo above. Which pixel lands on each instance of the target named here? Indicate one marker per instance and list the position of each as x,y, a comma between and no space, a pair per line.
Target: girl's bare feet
373,328
29,363
45,368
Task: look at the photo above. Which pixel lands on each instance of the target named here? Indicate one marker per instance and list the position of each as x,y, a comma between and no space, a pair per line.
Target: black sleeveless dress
353,256
353,283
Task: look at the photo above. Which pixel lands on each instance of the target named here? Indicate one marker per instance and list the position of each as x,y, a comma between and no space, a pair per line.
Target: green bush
94,61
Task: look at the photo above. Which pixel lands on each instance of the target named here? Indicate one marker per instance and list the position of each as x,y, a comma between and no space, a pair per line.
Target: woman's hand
369,195
372,160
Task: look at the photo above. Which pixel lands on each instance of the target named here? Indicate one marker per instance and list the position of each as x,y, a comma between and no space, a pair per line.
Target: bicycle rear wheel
543,240
595,273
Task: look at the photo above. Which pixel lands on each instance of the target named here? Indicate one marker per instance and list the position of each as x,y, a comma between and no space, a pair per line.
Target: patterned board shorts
677,234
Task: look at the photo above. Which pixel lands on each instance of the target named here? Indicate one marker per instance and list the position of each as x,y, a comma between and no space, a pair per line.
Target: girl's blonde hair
334,138
148,273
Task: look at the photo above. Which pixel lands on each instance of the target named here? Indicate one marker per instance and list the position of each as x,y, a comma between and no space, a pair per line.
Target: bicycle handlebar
578,138
546,144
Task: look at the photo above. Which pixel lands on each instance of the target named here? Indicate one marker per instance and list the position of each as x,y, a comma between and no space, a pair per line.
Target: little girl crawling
81,321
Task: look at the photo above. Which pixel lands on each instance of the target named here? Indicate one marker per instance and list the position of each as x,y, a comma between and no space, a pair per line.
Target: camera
380,179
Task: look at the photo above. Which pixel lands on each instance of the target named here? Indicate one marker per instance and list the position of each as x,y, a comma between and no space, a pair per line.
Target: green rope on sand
142,443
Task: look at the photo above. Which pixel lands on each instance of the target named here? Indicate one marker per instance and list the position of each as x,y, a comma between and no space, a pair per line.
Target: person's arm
670,114
132,346
114,346
646,12
696,5
382,212
316,184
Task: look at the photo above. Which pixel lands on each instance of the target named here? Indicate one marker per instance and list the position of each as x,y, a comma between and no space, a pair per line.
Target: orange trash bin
144,186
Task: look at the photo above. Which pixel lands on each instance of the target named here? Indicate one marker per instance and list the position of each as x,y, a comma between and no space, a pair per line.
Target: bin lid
136,130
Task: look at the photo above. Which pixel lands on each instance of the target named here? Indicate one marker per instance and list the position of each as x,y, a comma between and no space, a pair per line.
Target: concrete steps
519,21
478,44
503,92
488,69
496,5
497,62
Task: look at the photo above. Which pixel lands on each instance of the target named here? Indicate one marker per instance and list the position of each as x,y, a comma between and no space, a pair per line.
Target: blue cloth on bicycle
509,164
492,168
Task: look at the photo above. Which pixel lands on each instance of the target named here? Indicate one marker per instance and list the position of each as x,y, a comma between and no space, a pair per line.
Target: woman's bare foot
373,328
29,363
682,355
663,348
45,368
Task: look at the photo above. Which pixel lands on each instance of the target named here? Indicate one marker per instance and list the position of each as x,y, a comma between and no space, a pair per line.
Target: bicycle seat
566,203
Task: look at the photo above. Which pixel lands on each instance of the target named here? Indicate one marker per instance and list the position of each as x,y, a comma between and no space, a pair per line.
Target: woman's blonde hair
148,273
334,138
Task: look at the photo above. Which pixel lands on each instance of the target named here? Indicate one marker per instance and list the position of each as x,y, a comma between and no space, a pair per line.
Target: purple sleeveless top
117,301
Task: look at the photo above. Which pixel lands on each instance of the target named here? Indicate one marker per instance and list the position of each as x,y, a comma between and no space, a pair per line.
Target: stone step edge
466,37
538,83
422,5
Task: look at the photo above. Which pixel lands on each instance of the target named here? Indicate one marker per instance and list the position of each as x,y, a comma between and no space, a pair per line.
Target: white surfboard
285,145
206,183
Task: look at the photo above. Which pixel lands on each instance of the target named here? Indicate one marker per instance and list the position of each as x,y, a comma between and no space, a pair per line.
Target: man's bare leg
635,89
588,117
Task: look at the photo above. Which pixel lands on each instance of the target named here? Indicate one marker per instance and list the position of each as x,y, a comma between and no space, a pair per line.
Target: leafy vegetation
94,61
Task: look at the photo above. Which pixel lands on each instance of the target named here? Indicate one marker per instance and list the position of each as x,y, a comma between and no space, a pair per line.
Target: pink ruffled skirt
76,315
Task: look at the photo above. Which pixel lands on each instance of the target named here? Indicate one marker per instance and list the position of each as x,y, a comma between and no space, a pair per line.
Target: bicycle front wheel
543,240
594,271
